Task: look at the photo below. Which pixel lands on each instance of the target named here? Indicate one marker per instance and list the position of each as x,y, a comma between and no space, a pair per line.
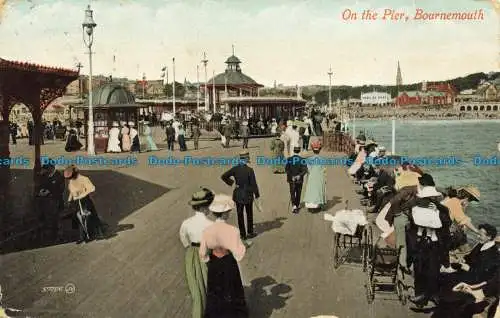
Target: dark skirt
72,144
93,225
225,293
182,143
136,145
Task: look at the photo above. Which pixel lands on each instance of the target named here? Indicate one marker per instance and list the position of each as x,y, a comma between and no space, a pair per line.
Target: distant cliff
320,93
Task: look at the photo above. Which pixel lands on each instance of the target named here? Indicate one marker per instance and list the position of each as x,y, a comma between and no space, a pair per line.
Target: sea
465,139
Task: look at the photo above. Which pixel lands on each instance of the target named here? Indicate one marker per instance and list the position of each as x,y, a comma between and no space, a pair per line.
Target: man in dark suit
244,193
13,132
170,132
295,169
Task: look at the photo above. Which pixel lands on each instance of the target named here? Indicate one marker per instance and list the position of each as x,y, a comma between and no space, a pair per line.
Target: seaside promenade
139,271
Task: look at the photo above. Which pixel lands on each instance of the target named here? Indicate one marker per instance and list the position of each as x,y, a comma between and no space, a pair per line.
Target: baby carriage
351,231
384,274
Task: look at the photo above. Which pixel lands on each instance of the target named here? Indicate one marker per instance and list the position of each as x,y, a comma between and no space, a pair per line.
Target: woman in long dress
72,142
278,149
190,234
151,146
125,132
134,137
80,188
221,247
315,196
114,139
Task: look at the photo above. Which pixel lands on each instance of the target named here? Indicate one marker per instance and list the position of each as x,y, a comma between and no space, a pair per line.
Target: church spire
399,77
233,49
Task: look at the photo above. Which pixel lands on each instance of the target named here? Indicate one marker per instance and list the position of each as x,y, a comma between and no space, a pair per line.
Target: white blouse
192,229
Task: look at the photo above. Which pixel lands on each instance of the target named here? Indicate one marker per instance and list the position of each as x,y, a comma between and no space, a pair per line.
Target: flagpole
173,84
213,90
198,85
143,85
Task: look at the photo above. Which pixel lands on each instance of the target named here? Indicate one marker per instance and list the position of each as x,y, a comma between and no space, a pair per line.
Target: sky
292,42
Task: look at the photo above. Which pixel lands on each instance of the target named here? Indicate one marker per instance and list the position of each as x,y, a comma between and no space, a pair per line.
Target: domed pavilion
111,103
238,94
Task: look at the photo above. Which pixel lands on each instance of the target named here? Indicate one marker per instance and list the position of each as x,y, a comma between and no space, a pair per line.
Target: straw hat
245,155
115,124
222,203
245,123
202,197
472,191
131,124
70,171
123,123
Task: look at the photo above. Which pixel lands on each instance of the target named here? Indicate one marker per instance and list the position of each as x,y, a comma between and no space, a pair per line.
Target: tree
180,90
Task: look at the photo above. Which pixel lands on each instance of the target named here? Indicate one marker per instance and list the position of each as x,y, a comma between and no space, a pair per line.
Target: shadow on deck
265,295
117,196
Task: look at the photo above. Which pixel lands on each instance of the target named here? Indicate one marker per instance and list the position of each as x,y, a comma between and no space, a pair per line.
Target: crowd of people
429,227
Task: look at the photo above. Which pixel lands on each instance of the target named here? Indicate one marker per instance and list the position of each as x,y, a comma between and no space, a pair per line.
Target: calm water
443,138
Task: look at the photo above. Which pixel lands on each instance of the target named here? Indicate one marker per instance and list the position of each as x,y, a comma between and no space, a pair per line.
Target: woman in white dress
125,137
114,139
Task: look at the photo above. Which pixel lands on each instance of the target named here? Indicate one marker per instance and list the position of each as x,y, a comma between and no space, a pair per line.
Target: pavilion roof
6,65
233,78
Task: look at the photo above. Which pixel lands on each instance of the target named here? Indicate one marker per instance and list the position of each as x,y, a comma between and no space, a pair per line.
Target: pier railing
337,141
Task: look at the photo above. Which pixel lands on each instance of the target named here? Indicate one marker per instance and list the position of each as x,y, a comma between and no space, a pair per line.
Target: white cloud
290,42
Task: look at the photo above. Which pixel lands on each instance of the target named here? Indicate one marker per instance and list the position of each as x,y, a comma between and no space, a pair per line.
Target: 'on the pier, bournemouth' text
422,15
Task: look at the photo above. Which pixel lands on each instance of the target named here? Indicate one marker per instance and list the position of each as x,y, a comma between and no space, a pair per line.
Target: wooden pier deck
139,272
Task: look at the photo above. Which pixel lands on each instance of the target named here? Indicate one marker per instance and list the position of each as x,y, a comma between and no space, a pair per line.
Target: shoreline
427,117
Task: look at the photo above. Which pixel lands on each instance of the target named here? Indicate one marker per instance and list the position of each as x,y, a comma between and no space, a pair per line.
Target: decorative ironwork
48,95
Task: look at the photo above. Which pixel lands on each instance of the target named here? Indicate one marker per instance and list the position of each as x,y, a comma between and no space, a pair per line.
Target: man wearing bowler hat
244,193
295,169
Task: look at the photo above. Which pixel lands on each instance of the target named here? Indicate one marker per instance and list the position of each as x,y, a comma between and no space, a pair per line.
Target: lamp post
88,26
330,74
173,85
205,62
198,88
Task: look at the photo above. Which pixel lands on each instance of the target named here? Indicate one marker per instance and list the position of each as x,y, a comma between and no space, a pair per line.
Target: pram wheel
401,291
336,251
370,287
367,246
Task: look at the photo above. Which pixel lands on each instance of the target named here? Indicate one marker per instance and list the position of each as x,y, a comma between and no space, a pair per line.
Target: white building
375,99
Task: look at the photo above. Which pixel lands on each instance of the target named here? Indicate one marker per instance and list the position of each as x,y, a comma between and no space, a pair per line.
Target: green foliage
180,90
344,92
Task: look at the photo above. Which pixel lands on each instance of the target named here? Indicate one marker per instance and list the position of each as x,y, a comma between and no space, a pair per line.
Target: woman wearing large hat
315,197
80,188
222,248
134,138
114,138
190,233
125,133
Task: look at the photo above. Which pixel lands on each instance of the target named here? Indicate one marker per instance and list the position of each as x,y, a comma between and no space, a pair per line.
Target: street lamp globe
89,23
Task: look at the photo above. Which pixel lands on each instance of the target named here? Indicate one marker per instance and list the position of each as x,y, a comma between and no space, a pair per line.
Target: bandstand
238,94
264,107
